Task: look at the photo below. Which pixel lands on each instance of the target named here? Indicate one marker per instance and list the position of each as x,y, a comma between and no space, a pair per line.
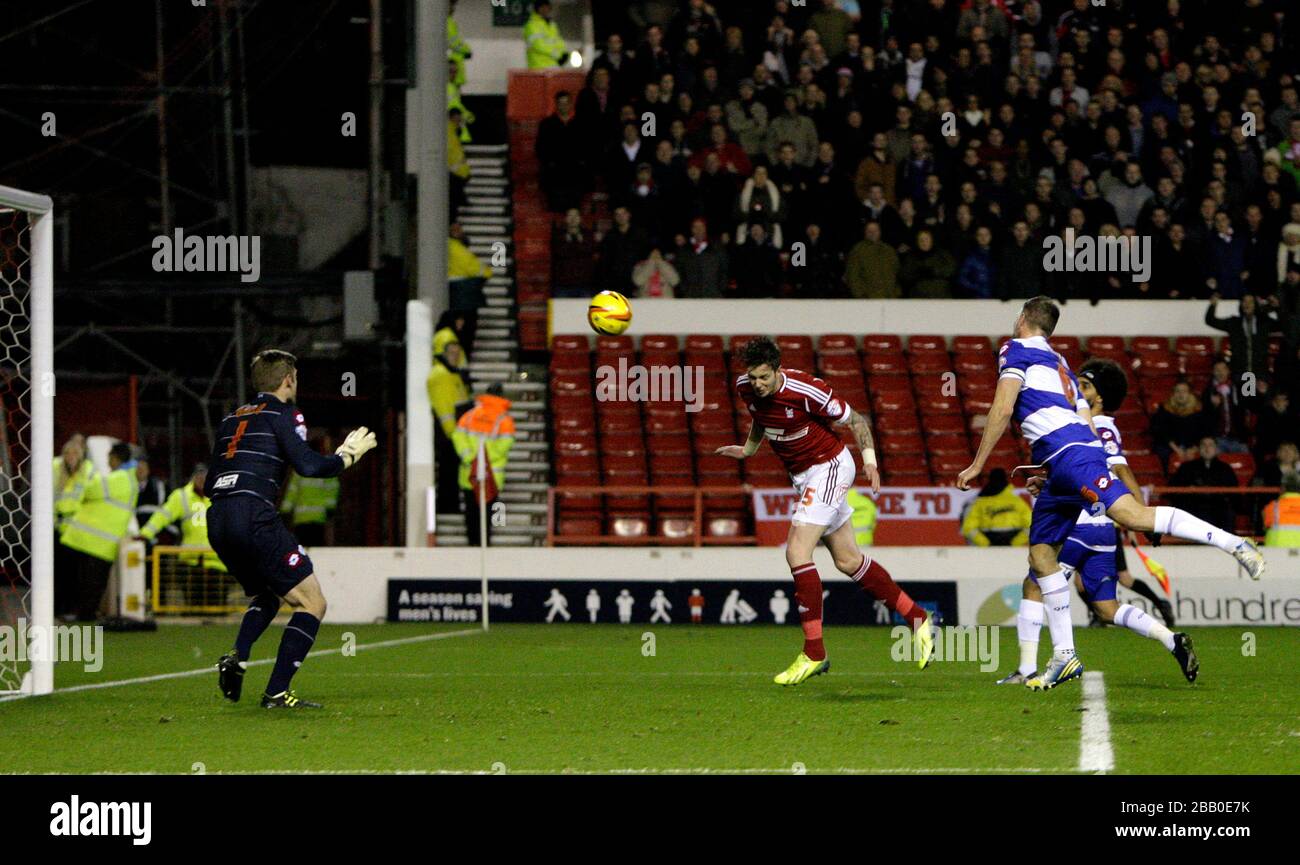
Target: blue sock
256,620
298,637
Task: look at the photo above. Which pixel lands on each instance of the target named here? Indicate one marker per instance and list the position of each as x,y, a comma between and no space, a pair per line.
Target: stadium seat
570,363
712,422
570,342
972,344
615,344
906,463
659,342
1105,345
618,422
633,525
576,463
575,442
944,469
570,502
660,357
885,365
724,525
882,343
661,424
792,343
1065,345
892,400
1243,465
830,344
1156,390
622,444
736,341
1145,344
1194,345
929,364
893,423
939,404
908,443
578,524
704,342
978,403
944,423
1196,364
571,384
711,362
841,364
906,479
707,443
574,420
676,526
967,363
926,344
1147,469
948,445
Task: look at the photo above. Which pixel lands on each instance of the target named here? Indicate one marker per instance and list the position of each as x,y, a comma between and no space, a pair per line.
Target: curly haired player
794,411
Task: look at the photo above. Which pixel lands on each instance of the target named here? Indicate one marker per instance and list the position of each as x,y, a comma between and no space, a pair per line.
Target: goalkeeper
255,445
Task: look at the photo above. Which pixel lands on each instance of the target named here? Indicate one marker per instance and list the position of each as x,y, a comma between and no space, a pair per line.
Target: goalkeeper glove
355,446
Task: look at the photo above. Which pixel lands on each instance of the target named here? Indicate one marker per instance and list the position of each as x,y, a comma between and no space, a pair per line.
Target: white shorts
822,489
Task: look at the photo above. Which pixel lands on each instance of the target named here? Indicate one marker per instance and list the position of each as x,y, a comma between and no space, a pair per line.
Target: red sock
876,581
808,596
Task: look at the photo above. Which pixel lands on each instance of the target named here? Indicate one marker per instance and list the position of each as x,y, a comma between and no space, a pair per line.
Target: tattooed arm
867,445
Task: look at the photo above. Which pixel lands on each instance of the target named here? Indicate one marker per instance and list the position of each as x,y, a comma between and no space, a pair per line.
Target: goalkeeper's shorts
251,539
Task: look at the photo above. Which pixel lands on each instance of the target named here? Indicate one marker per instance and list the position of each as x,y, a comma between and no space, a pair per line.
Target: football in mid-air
610,313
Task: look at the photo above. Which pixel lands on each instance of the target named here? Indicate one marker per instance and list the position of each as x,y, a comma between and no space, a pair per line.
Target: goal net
26,443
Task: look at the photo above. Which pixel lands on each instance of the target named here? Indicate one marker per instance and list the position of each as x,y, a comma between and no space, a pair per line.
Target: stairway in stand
488,223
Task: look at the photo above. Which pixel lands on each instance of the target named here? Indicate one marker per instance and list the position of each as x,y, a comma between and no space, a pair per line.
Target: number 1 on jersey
234,440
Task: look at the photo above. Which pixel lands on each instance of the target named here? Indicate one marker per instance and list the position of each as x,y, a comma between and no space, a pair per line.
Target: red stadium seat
574,384
615,344
929,364
1143,344
972,364
940,404
707,443
948,444
712,422
1242,464
711,362
897,423
1196,364
885,364
944,423
906,463
613,423
790,343
978,404
724,525
842,364
892,400
947,467
1194,345
571,363
622,445
1105,344
1157,389
674,422
704,342
926,344
575,442
659,342
570,342
836,343
717,467
971,344
669,444
904,443
906,479
575,420
1065,345
633,525
736,341
882,343
577,524
660,357
576,463
569,502
1147,469
676,526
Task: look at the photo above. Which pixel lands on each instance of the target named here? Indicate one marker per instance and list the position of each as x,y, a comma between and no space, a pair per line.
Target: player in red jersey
794,410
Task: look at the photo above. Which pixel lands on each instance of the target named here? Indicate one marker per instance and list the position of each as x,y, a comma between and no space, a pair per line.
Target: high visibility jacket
466,116
1003,513
457,49
105,514
865,514
69,495
1282,517
457,164
310,500
189,507
445,386
542,39
462,264
489,421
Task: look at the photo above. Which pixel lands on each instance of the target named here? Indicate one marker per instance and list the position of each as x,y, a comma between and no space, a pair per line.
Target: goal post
27,440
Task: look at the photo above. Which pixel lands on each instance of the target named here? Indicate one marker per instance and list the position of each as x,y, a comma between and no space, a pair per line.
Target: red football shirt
796,419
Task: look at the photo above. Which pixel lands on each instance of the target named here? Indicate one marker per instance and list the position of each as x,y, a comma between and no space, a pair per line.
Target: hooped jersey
796,419
1048,403
1098,528
257,444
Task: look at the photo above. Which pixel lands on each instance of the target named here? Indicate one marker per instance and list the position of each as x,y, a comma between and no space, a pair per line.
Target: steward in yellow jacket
72,472
865,515
188,507
998,517
542,39
92,535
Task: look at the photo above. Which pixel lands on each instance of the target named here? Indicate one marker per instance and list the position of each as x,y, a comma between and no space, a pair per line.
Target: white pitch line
1095,752
161,677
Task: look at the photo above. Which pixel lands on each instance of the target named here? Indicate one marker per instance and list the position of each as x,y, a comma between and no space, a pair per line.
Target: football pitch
673,699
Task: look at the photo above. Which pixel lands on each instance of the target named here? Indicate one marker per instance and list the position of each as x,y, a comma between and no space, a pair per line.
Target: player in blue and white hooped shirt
1036,386
1090,551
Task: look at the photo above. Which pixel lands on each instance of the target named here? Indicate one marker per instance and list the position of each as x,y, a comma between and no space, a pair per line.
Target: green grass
585,698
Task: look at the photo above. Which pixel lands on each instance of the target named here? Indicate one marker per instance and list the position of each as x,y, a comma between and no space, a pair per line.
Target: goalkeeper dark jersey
256,445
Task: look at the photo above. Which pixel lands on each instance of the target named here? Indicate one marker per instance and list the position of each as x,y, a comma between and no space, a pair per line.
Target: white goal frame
39,679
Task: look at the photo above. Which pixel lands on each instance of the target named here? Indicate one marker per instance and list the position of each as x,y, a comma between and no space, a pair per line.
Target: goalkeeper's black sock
1144,590
298,637
257,618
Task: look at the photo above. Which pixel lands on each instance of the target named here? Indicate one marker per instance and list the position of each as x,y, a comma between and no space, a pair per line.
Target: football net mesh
16,393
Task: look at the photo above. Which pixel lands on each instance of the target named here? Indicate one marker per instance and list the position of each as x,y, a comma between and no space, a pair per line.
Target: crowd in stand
926,148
